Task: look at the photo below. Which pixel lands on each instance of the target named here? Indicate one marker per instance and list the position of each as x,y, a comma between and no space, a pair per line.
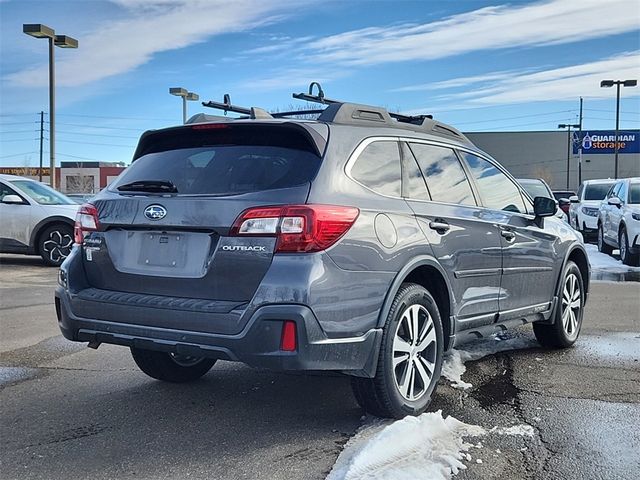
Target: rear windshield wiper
153,186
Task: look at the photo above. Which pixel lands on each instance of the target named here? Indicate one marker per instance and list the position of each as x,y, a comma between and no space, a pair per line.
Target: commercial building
544,154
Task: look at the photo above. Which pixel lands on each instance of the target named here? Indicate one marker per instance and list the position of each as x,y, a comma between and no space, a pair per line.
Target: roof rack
338,111
320,98
227,106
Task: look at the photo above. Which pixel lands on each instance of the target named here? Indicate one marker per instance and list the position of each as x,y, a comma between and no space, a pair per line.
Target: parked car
358,243
583,212
537,187
36,219
619,221
80,198
563,196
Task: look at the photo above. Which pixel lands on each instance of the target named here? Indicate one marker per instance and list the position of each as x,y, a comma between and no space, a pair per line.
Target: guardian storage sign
603,142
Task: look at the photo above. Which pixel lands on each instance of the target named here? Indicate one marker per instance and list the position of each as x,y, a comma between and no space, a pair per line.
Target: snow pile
453,366
427,447
603,262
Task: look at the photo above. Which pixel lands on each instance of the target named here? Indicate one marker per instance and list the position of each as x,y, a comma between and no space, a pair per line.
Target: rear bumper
258,344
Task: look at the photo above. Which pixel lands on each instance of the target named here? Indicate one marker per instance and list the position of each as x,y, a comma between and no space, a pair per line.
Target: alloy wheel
58,246
414,352
571,305
622,241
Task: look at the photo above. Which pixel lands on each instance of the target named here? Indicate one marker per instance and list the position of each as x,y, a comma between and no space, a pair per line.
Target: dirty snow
428,447
603,262
453,366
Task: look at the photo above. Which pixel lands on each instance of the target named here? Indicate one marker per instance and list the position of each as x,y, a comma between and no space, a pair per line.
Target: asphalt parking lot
72,412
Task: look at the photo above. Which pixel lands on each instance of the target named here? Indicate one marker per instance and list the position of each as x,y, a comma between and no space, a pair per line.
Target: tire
602,245
565,329
626,256
55,243
169,367
407,388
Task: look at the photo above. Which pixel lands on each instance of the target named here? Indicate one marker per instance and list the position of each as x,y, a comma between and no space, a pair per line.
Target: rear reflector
288,342
298,228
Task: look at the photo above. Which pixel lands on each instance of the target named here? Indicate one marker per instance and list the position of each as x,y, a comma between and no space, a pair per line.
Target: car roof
7,177
600,180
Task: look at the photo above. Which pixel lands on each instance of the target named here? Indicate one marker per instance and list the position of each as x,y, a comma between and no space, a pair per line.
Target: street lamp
617,83
182,92
568,126
37,30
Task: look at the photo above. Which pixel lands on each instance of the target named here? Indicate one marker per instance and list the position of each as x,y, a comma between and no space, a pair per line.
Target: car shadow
22,260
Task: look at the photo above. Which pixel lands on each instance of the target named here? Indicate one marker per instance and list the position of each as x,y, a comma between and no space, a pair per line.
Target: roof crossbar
227,106
320,98
294,113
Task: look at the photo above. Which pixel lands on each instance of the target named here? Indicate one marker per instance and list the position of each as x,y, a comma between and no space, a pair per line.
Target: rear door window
497,191
378,167
224,163
445,177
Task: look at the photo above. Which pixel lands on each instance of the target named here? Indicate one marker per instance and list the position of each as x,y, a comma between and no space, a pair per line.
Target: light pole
37,30
182,92
568,126
617,83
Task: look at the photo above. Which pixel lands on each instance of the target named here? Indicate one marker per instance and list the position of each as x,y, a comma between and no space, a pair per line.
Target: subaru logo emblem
155,212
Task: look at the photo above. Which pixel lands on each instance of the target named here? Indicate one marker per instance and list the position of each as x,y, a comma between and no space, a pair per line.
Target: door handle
439,226
508,235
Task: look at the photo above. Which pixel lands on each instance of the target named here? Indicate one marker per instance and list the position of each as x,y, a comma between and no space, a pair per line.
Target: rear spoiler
316,134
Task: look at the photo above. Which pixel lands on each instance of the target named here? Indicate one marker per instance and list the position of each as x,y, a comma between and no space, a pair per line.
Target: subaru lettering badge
155,212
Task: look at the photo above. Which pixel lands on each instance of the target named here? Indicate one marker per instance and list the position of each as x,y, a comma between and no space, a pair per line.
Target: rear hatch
164,223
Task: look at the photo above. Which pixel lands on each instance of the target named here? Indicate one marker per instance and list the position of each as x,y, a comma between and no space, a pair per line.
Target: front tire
565,329
627,257
410,359
170,367
54,244
602,245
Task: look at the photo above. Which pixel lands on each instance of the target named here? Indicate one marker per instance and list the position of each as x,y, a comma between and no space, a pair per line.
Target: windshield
535,188
634,193
42,194
596,191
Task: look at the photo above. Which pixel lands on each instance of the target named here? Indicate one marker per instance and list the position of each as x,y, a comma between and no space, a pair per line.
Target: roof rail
227,106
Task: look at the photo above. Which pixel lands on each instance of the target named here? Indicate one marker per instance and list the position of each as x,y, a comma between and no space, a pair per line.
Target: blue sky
479,65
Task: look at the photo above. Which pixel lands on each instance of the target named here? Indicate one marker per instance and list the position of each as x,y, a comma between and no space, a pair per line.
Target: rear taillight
86,221
298,228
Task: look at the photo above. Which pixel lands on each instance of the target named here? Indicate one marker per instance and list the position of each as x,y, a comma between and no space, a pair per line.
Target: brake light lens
86,221
298,228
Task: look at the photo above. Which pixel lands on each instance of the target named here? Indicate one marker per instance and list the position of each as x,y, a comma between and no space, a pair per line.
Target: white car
36,219
583,212
619,221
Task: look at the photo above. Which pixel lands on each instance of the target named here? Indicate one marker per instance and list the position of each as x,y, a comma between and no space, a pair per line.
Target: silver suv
619,221
363,242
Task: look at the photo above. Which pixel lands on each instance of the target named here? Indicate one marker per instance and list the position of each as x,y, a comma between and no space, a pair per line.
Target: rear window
596,191
225,161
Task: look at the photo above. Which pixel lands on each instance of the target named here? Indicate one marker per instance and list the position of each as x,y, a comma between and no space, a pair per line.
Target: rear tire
410,359
602,245
627,257
169,367
569,312
55,243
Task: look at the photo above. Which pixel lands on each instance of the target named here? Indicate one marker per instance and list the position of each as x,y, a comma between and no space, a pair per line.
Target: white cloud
150,27
456,82
566,83
506,26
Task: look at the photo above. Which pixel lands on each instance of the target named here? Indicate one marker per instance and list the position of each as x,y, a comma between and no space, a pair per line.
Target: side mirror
574,199
544,207
615,201
564,202
12,199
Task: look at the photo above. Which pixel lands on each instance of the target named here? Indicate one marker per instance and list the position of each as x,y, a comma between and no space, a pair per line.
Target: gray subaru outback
363,242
